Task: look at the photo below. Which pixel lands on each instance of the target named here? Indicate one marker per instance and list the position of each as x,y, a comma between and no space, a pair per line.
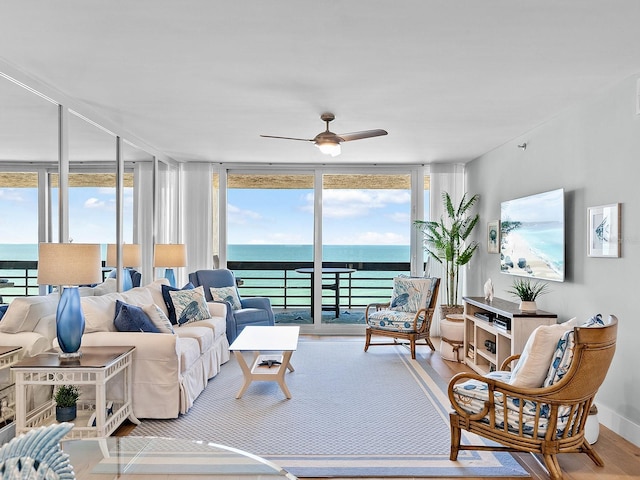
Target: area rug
352,414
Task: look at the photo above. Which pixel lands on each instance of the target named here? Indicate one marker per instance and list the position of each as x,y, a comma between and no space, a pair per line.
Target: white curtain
196,184
143,214
444,178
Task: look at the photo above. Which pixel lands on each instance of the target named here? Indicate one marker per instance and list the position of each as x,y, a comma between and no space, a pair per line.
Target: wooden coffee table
272,348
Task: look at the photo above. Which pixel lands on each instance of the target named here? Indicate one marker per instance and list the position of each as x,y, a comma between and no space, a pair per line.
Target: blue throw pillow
169,302
3,309
130,318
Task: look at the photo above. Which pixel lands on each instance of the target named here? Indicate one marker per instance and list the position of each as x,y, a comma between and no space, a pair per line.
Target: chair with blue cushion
407,316
252,311
547,419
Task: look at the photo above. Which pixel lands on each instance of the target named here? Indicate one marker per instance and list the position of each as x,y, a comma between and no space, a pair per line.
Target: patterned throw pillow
226,294
190,305
410,294
169,303
130,318
158,318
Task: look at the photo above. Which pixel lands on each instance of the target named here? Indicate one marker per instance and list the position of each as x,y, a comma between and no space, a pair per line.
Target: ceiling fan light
329,148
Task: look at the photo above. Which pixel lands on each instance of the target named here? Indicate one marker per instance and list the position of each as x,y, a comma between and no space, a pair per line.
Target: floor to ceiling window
269,236
366,231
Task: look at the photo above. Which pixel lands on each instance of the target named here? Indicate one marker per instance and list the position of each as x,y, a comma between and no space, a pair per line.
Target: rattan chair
398,320
548,420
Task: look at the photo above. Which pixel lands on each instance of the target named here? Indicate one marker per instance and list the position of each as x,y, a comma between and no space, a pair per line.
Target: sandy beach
516,247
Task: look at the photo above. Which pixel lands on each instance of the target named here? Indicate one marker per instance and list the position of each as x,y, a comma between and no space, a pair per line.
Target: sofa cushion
226,294
158,318
190,305
130,318
189,350
99,312
155,289
137,296
394,320
24,313
203,335
533,365
108,286
168,302
217,324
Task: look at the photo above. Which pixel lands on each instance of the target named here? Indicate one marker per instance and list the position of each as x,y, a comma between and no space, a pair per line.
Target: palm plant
447,240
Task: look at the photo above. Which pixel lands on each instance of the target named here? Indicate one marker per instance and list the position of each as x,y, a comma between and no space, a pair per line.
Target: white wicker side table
98,368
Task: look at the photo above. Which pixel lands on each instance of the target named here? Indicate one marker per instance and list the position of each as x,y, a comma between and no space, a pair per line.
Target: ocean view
272,282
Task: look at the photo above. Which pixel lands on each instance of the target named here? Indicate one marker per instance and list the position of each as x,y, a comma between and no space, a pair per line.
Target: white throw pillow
99,312
158,318
533,365
24,313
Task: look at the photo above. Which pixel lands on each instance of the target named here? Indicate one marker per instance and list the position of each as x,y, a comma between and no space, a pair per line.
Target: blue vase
70,322
168,274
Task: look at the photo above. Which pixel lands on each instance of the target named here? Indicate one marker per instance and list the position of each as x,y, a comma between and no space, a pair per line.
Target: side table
8,356
98,368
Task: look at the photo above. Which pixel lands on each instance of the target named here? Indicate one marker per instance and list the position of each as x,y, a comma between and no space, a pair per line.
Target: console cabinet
487,343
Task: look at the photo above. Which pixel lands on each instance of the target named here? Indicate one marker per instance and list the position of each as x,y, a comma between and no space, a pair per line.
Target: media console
495,330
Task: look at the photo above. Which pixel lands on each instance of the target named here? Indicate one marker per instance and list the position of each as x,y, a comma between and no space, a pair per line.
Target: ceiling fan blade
347,137
289,138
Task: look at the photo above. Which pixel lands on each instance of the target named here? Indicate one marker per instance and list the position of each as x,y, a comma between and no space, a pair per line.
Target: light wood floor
621,458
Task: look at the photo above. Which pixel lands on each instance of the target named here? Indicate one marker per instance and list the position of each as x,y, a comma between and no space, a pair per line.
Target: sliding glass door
366,230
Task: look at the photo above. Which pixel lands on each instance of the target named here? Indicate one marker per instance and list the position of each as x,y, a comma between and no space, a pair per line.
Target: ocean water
272,282
283,253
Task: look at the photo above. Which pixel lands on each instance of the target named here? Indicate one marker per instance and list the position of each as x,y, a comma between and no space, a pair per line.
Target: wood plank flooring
621,458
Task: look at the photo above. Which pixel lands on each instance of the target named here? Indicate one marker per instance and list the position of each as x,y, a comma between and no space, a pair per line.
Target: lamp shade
170,255
69,264
131,256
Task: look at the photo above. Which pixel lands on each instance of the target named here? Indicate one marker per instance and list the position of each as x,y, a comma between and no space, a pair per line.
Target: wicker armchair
407,317
546,420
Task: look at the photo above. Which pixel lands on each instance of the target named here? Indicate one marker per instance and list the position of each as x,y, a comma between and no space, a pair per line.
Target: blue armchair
253,311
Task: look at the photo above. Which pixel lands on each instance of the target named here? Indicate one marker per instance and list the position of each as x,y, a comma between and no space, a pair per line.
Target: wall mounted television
532,242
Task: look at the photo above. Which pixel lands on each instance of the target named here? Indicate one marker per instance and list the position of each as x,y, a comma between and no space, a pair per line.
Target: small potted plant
527,291
66,398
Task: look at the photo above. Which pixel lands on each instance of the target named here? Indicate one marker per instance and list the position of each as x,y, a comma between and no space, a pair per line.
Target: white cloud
399,217
94,203
11,195
348,203
239,216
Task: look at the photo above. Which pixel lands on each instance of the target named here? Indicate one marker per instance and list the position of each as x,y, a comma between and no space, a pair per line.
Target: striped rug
352,414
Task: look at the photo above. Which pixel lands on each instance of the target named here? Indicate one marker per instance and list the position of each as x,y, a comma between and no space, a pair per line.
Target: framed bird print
604,231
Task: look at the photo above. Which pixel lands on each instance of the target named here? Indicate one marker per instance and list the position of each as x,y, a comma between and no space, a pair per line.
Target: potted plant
66,398
447,242
527,291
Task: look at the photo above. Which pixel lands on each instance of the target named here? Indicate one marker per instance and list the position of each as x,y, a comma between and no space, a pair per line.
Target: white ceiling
201,79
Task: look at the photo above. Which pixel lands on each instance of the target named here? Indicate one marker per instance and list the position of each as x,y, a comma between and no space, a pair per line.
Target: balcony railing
287,289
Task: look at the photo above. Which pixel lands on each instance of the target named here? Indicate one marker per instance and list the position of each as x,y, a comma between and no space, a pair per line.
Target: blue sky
278,216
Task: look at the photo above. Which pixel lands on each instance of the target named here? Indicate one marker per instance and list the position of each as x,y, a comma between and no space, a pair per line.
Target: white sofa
169,370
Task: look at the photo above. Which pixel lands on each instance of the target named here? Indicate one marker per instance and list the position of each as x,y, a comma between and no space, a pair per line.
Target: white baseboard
619,425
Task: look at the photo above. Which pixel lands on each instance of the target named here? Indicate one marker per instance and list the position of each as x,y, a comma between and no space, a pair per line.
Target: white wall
593,152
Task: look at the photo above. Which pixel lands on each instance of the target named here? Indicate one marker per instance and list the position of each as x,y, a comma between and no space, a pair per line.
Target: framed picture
493,236
604,231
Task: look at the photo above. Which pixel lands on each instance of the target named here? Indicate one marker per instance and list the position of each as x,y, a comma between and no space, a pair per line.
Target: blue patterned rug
352,414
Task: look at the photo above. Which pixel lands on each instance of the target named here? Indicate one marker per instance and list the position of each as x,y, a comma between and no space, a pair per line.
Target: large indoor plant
447,242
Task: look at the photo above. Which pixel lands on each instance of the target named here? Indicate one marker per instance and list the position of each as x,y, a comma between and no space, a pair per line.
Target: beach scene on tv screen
532,236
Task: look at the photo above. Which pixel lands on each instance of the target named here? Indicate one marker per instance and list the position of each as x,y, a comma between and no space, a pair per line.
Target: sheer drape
143,217
197,221
444,178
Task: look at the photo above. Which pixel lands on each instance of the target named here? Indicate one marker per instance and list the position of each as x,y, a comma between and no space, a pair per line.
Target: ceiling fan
329,142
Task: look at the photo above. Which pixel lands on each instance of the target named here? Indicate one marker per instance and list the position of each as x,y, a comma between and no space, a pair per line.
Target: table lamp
131,257
69,265
170,255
